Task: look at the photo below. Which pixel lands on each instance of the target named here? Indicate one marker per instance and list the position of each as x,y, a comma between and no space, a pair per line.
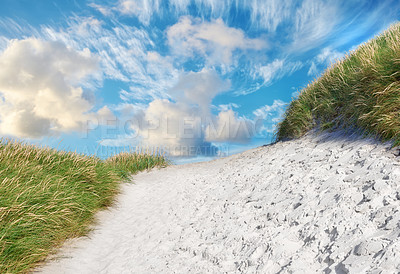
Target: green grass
48,196
361,92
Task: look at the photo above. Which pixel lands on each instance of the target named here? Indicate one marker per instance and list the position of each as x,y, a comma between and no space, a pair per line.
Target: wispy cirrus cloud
306,23
266,15
3,43
267,74
270,14
326,57
270,115
125,54
14,29
313,70
226,107
143,10
106,11
314,21
329,55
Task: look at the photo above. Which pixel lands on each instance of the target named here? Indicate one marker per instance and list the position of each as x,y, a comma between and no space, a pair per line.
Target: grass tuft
48,196
361,91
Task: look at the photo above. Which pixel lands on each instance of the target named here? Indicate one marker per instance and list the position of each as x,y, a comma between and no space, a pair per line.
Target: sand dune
321,203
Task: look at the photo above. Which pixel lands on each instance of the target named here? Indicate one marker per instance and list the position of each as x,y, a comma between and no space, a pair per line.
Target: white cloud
263,14
125,54
329,56
269,14
270,115
310,21
314,21
172,126
271,72
39,86
276,109
13,28
140,57
143,10
312,70
184,125
129,7
226,107
88,25
227,127
326,57
199,88
3,43
212,39
106,11
295,94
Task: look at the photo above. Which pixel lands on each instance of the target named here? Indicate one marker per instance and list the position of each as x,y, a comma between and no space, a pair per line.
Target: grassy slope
362,92
47,196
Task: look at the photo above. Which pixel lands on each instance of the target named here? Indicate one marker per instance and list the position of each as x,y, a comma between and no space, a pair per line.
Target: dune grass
48,196
361,91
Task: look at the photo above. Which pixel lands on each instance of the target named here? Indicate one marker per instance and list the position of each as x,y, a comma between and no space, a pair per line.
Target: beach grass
360,91
48,196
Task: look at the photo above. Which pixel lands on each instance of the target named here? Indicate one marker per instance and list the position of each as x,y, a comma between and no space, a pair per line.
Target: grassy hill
361,91
48,196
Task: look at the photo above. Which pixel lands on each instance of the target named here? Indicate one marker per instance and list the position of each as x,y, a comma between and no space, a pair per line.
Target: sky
193,79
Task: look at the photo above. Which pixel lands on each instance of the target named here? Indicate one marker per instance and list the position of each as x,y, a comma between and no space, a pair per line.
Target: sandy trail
326,203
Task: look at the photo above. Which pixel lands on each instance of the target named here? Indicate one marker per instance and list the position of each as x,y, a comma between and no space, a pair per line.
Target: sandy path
314,204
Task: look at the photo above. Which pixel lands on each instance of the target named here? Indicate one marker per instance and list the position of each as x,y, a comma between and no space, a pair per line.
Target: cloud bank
184,125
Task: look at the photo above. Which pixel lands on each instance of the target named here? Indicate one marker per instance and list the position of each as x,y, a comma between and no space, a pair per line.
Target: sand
326,203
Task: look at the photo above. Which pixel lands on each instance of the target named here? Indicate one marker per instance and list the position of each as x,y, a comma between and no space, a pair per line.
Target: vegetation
48,196
361,91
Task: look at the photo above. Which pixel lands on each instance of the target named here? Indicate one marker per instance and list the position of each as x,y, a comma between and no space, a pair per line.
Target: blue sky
196,79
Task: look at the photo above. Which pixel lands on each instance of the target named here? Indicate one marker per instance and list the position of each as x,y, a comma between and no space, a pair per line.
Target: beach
327,202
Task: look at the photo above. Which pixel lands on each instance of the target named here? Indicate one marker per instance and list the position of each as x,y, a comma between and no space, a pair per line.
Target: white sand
314,204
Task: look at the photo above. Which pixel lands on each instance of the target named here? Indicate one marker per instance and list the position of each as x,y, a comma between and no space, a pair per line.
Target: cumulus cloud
184,125
227,127
213,39
39,87
199,88
175,127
